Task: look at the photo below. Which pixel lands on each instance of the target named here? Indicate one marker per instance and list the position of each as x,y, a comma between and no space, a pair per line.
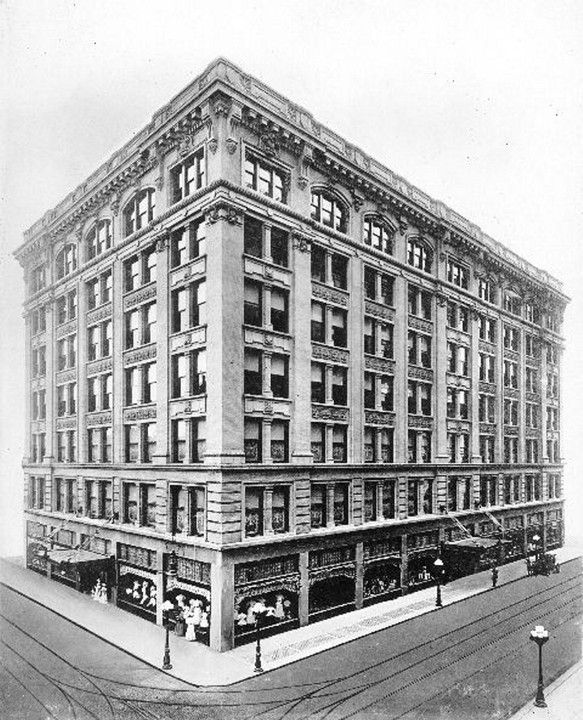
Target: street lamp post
539,635
536,541
166,607
438,572
259,611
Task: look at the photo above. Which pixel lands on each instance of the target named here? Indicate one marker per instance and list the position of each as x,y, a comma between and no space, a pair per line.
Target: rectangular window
279,310
252,372
252,440
132,443
254,519
279,376
318,506
318,444
178,436
188,176
266,178
178,306
252,301
318,333
457,273
279,441
253,237
339,386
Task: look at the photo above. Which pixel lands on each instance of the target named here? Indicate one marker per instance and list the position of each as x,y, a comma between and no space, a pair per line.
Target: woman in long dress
190,628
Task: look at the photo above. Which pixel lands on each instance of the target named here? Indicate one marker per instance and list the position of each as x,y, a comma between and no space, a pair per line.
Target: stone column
544,403
267,242
440,383
521,401
401,364
359,580
222,603
266,375
82,452
51,348
266,308
355,374
330,505
304,592
266,440
474,449
117,346
268,511
329,443
328,374
161,456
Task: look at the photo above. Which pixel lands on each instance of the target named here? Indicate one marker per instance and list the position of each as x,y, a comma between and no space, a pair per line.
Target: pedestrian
494,576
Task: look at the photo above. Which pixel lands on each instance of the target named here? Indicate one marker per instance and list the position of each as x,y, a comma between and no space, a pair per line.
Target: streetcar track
314,693
28,690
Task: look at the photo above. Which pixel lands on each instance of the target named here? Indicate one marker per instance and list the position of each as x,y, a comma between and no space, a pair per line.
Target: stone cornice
277,123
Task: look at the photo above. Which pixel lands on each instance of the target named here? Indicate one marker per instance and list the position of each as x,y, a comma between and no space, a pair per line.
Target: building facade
260,365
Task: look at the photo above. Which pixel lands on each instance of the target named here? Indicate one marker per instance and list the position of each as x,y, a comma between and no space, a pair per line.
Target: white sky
480,104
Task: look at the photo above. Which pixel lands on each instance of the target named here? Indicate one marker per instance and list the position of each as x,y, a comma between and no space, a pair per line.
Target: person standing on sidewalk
494,576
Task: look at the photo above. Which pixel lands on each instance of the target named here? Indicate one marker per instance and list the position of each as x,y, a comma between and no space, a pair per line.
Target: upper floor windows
511,338
266,178
38,278
377,235
66,307
276,307
39,361
531,346
329,267
531,312
188,306
457,274
329,325
378,286
188,373
99,290
458,316
266,241
99,239
512,303
38,320
487,329
419,255
188,176
187,243
553,321
419,302
419,349
66,261
458,359
139,211
329,211
486,290
140,269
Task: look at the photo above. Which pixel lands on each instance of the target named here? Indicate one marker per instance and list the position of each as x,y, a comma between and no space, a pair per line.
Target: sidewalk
198,664
564,699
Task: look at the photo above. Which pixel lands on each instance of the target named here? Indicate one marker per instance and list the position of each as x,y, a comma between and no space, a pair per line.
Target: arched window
66,261
419,255
377,234
98,239
329,210
139,211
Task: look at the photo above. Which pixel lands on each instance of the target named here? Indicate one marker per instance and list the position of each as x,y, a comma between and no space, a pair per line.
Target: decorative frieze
487,429
265,569
329,295
487,388
264,406
188,408
142,413
420,423
66,376
486,347
334,414
100,418
418,373
269,340
460,338
193,270
532,433
511,355
265,271
533,397
375,417
139,355
379,311
188,340
510,431
511,393
379,365
419,324
329,354
69,423
101,313
67,328
99,366
460,426
223,211
457,381
139,296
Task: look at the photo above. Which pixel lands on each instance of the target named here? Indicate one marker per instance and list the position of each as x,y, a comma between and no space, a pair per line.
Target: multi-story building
262,365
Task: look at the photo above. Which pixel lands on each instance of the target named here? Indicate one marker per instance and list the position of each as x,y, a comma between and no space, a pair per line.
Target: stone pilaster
118,333
440,385
222,595
355,374
401,364
162,454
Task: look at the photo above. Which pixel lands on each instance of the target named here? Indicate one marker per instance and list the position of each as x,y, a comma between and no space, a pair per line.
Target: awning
76,557
474,543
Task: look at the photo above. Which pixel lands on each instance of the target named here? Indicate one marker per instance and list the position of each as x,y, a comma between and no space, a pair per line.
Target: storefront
36,547
422,551
514,537
470,555
189,590
554,528
332,582
136,587
275,582
382,570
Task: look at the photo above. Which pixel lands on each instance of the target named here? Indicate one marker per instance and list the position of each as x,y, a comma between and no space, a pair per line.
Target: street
469,660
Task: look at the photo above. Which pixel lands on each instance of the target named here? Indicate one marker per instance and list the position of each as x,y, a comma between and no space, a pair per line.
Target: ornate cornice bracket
222,210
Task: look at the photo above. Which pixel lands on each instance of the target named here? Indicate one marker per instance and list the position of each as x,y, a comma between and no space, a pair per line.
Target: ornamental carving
324,352
67,423
458,426
303,182
329,295
101,313
485,387
347,571
510,393
135,356
102,418
324,412
231,144
99,366
140,296
532,397
486,346
532,433
487,429
379,311
161,241
290,583
213,144
379,364
420,373
144,413
374,417
419,324
196,268
67,328
221,210
511,354
66,376
301,242
510,431
195,337
420,423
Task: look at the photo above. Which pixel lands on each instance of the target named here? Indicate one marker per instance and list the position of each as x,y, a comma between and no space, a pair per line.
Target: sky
479,104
